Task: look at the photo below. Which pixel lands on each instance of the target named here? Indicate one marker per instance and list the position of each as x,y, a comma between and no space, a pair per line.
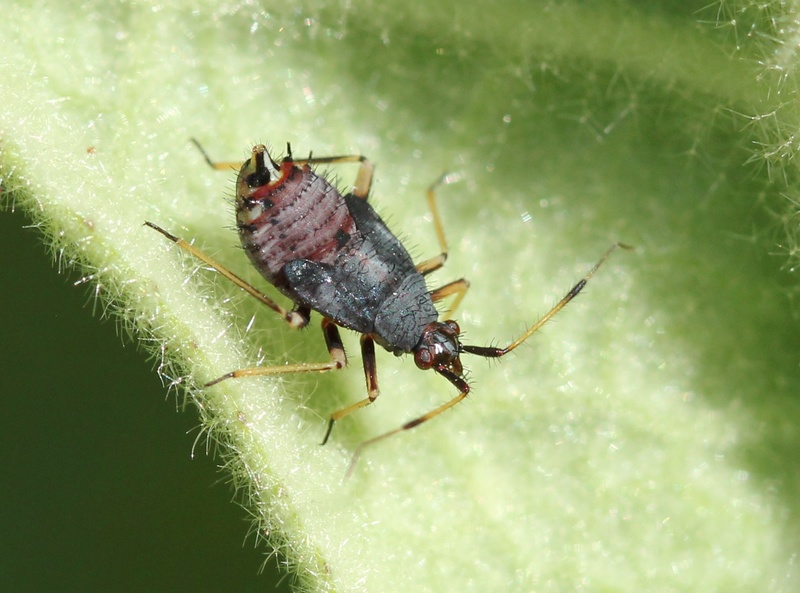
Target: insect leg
295,319
335,349
218,165
458,287
364,178
371,375
463,390
490,352
434,263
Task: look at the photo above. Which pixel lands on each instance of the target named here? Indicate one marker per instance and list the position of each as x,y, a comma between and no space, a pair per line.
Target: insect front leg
457,287
463,390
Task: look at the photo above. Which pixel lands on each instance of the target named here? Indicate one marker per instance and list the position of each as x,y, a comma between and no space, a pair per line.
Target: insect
332,253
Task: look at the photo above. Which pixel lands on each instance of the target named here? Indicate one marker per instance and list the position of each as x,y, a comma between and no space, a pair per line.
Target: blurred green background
71,519
643,146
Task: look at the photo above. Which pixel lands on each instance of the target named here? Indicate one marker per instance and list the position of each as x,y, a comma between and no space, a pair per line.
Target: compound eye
423,358
453,326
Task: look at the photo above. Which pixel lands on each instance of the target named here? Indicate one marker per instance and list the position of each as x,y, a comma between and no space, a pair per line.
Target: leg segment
434,263
490,352
371,375
363,179
458,287
295,318
463,390
218,165
335,349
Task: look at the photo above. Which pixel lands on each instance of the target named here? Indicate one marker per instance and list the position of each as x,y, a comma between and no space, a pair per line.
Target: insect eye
423,358
453,326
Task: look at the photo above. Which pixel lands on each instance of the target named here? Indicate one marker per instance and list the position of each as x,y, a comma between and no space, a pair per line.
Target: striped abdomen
298,216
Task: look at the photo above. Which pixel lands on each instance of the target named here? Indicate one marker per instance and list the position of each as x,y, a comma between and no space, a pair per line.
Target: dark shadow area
100,492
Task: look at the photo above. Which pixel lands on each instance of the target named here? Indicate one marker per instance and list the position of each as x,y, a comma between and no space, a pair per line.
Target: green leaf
644,440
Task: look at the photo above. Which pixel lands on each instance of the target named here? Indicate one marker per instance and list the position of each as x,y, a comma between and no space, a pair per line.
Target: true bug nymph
332,253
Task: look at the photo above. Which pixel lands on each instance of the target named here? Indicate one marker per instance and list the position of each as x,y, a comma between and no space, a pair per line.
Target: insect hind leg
363,182
295,318
361,187
217,165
